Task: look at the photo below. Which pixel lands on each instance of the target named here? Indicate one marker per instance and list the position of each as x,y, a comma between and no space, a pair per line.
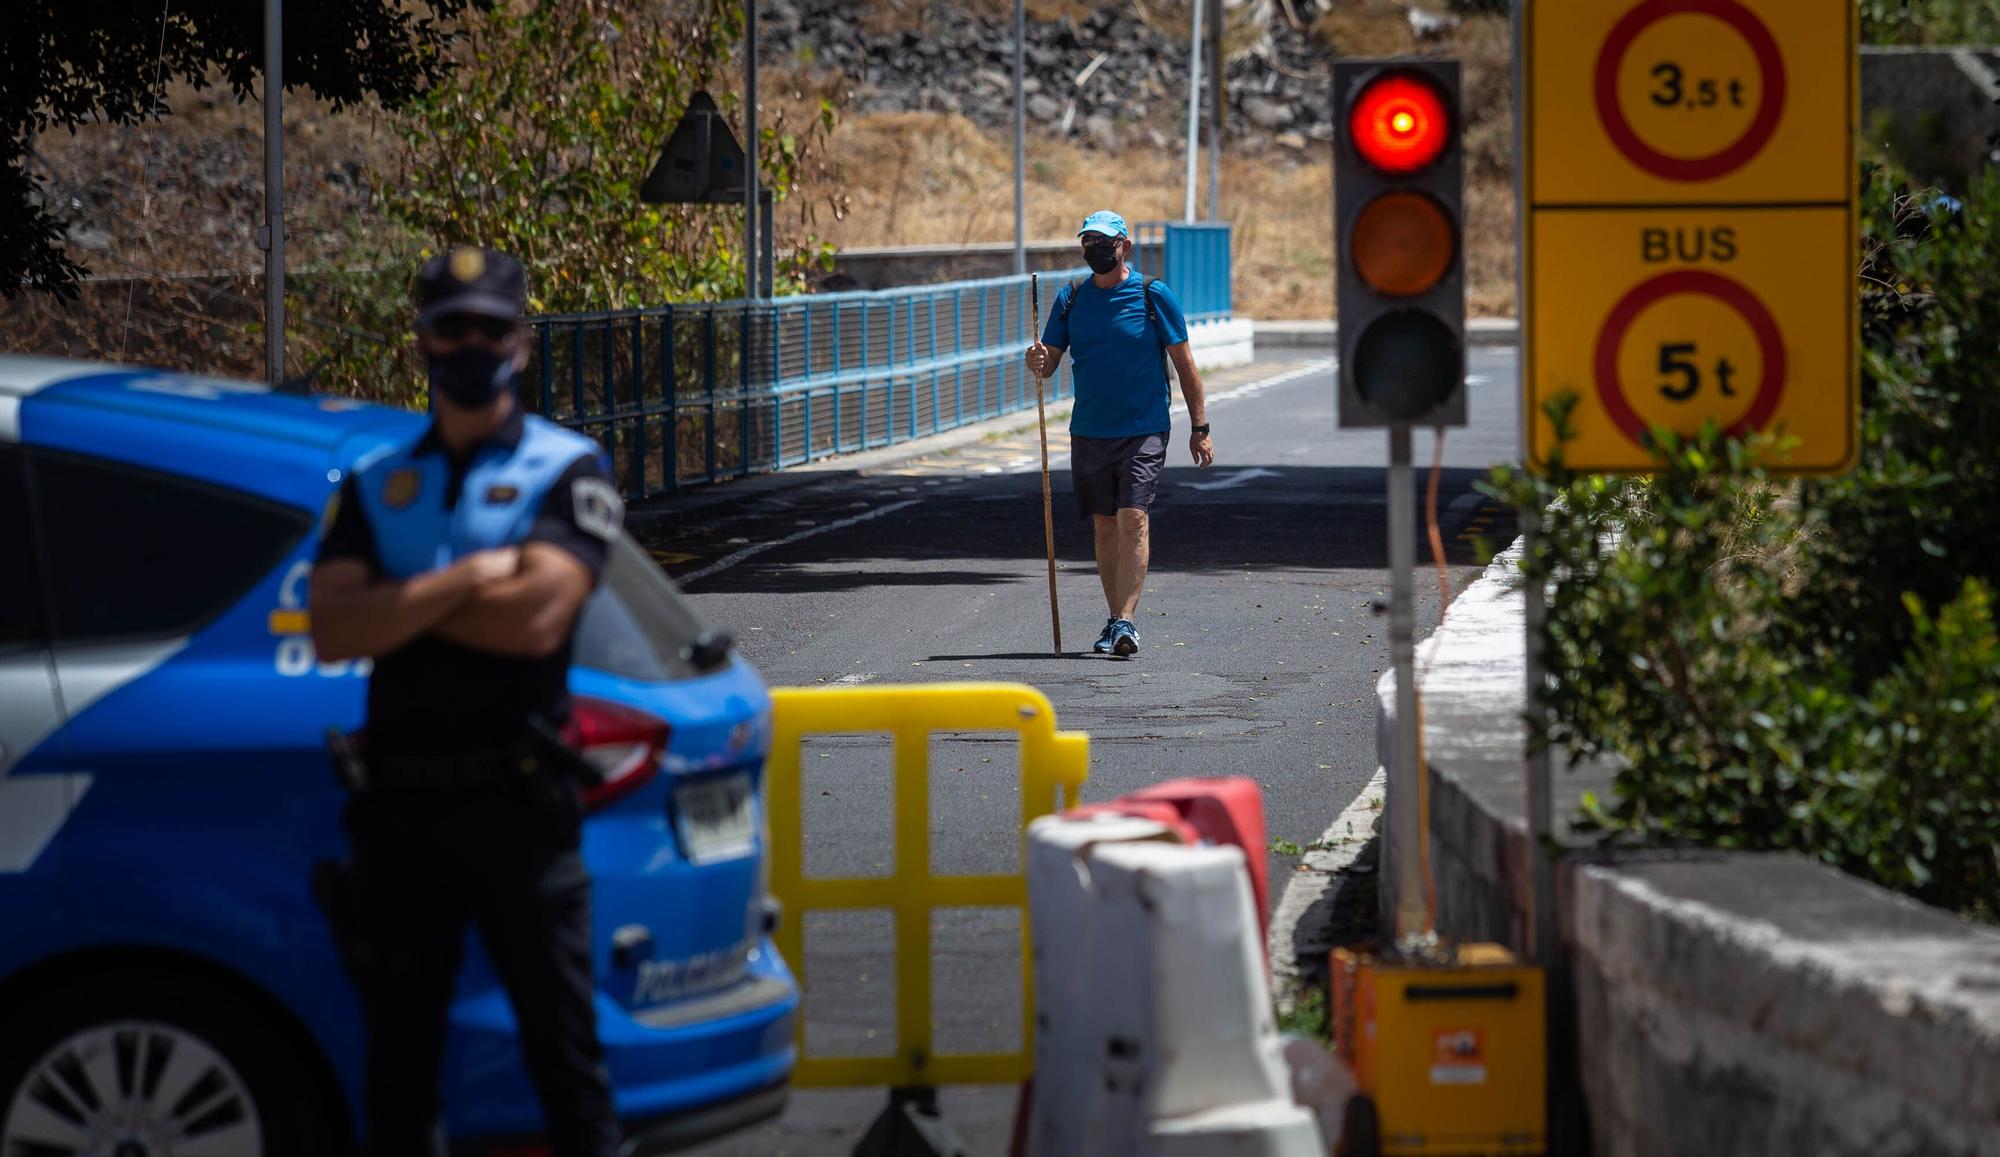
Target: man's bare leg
1134,553
1105,527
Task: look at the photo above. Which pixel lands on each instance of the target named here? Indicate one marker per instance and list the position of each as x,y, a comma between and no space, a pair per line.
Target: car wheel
153,1069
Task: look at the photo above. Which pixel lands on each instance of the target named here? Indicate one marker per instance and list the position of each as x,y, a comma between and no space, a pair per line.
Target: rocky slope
1109,77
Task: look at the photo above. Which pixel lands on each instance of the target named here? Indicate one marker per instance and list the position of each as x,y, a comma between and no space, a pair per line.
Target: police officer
459,563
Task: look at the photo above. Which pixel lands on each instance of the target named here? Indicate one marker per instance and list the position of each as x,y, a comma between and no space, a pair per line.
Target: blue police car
167,984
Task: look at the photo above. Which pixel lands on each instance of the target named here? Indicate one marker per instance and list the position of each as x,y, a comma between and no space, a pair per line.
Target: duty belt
540,749
390,771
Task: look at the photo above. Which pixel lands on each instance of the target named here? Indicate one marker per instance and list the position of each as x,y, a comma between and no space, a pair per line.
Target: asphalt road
1259,654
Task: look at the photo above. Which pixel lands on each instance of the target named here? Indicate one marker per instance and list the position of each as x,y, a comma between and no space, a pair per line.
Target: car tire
124,1061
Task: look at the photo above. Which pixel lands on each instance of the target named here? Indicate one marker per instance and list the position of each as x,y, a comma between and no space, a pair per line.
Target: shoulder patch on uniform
402,487
499,495
597,507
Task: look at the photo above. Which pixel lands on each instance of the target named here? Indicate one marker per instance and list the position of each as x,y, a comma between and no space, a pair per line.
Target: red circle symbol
1610,339
1399,123
1770,106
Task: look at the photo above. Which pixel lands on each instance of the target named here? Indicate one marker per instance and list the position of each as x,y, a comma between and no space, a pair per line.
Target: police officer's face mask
1102,256
472,375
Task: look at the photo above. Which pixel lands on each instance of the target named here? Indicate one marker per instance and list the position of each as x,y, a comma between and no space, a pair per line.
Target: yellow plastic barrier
1053,766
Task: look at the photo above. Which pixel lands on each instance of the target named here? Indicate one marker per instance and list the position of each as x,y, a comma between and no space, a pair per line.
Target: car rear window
136,554
637,625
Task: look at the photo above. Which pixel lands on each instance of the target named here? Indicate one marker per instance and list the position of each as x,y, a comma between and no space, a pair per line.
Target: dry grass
935,178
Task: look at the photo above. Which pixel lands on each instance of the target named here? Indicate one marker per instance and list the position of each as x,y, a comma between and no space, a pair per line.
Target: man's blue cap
1106,222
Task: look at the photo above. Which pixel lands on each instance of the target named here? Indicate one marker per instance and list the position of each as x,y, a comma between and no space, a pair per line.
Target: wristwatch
1201,429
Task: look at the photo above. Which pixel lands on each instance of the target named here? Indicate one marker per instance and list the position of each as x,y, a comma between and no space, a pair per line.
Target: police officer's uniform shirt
1121,387
414,509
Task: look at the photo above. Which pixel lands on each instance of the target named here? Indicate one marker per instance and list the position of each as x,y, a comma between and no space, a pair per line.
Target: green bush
1929,22
1811,666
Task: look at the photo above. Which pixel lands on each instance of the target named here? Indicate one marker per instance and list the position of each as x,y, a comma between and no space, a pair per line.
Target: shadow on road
1295,517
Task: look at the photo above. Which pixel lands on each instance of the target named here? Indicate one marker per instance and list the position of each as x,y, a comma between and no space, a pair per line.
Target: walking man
459,563
1122,329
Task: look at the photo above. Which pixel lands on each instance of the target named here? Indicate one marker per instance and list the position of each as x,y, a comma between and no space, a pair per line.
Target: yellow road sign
1690,226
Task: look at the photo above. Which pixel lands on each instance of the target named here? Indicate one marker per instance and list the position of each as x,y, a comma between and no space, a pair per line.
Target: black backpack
1152,322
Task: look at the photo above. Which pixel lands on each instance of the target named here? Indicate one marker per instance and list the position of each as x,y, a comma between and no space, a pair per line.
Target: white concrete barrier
1155,1032
1062,910
1218,345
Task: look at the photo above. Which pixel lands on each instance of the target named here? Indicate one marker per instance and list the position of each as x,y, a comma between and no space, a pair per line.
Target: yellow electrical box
1451,1058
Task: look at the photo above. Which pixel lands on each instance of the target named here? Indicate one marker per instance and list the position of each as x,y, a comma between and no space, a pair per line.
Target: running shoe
1124,638
1103,644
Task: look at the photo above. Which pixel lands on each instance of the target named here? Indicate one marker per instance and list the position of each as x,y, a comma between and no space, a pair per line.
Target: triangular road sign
702,163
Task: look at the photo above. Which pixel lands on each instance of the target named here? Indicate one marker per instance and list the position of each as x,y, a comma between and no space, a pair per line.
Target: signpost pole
274,191
1020,147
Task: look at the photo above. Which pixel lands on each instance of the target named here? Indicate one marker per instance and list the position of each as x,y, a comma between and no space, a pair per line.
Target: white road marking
1347,835
757,548
851,680
1234,480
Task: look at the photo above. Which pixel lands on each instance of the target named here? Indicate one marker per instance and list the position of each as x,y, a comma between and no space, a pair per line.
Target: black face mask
472,376
1102,257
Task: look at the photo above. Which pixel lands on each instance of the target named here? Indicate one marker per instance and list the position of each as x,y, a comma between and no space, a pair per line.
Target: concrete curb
1321,335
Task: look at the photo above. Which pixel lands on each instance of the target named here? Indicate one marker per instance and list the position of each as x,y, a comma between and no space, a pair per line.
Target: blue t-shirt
1121,386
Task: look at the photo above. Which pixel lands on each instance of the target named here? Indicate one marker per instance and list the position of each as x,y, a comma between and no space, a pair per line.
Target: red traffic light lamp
1399,123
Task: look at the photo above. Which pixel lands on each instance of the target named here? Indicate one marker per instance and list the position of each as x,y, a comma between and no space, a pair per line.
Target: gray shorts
1110,474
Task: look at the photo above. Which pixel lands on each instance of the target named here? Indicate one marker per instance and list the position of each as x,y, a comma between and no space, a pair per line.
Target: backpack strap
1159,331
1069,301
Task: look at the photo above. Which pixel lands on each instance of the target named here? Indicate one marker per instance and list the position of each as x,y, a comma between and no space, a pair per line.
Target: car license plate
717,820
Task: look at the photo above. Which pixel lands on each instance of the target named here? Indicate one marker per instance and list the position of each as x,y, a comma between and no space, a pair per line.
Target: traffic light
1399,284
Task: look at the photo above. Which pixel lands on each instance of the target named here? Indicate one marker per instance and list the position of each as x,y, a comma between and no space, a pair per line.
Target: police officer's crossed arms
460,563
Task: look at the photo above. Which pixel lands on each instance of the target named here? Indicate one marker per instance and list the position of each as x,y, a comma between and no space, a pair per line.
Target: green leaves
555,113
1807,665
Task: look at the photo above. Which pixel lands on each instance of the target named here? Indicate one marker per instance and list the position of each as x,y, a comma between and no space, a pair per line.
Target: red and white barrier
1154,1025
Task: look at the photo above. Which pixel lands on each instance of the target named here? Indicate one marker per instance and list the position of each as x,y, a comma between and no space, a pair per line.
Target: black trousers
500,856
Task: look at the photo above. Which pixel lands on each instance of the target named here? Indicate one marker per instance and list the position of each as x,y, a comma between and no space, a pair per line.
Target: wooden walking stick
1048,507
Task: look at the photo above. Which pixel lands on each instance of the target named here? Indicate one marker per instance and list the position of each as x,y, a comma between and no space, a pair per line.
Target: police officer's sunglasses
459,326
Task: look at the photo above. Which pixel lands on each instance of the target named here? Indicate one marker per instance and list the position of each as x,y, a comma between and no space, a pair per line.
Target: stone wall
1724,1003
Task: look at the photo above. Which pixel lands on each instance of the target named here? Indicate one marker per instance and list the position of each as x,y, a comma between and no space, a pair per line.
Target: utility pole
271,238
750,214
1020,147
1194,110
1217,105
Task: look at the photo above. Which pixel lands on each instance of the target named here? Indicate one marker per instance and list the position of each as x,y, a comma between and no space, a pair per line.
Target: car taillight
624,745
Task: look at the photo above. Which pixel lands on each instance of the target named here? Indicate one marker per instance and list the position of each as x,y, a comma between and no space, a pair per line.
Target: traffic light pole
1412,913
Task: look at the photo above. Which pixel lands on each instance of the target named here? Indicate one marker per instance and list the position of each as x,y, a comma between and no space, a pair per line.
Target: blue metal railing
684,394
